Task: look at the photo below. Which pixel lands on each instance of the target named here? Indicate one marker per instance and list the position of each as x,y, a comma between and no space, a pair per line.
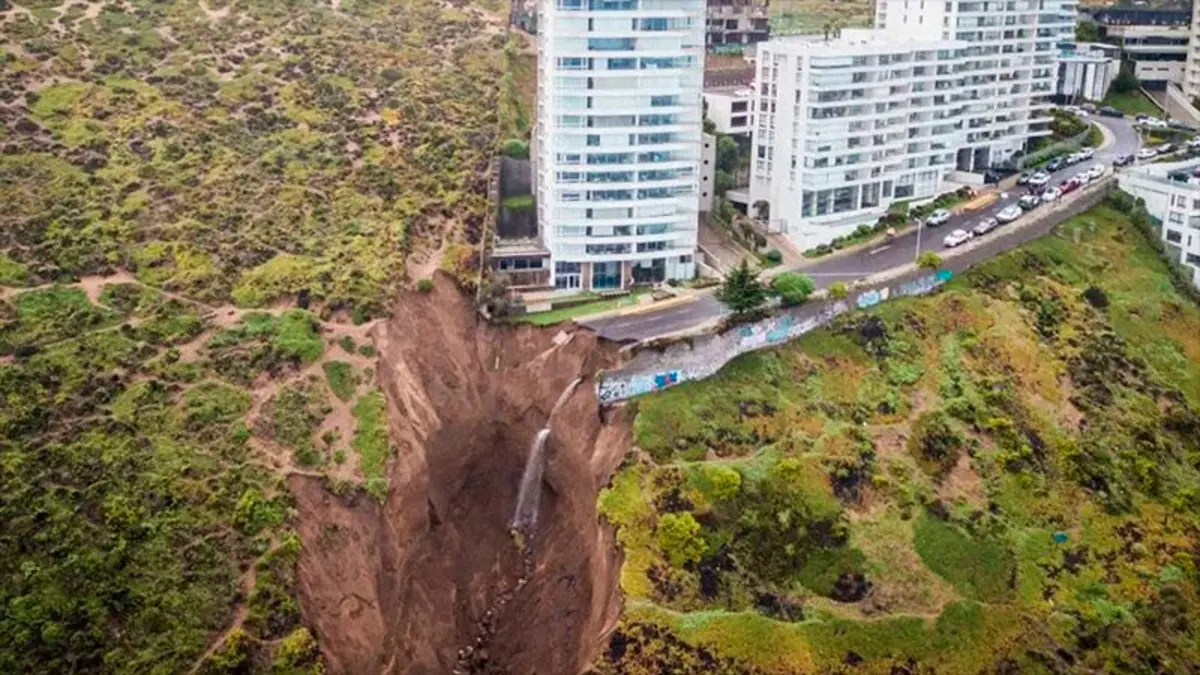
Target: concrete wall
696,358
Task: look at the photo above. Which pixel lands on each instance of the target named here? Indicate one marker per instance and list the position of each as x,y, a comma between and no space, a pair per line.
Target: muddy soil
401,587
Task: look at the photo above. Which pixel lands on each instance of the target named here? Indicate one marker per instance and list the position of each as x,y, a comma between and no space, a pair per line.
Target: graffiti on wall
711,353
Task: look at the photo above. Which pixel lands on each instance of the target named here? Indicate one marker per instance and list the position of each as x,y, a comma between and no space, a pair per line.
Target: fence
659,366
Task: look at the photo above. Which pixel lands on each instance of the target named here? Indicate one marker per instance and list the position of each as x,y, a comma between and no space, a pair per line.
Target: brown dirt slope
401,587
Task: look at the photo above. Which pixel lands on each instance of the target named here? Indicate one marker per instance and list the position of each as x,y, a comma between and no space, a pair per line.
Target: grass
551,317
1132,103
47,314
12,273
518,203
342,378
979,568
371,442
1079,412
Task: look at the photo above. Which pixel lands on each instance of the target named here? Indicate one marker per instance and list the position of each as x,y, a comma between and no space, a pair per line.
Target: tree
1087,31
1125,81
929,260
679,538
792,288
838,290
727,154
763,208
742,292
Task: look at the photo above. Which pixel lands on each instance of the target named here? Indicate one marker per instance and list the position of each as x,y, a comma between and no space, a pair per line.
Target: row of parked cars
1041,192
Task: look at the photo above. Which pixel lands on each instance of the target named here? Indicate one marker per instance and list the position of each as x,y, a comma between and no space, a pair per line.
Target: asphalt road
868,261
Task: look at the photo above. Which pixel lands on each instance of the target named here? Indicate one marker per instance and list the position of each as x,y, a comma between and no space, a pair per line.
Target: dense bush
792,288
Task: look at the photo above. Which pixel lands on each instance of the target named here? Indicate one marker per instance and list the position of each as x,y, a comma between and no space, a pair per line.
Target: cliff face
401,587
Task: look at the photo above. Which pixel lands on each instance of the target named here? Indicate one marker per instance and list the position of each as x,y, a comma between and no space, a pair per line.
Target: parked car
1024,177
1069,185
1097,171
1194,143
1122,160
984,226
1086,154
1182,126
1009,214
1050,195
1165,148
939,217
1109,111
1147,153
957,237
1055,164
1039,181
1029,202
1083,178
1179,176
1155,123
1089,107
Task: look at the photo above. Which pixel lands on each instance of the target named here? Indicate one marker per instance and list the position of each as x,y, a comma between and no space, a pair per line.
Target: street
898,252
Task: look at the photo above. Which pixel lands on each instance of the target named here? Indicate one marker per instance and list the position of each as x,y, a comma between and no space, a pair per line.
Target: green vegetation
265,343
742,292
371,442
281,156
574,311
292,416
1000,477
792,288
929,260
343,380
518,203
1132,103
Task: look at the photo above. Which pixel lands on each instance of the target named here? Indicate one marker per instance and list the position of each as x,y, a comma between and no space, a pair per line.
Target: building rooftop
730,90
858,41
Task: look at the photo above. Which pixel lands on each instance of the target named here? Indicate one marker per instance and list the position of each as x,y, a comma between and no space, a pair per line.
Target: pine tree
742,292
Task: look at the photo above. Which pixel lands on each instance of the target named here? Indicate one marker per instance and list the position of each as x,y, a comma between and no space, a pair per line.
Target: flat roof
730,90
860,41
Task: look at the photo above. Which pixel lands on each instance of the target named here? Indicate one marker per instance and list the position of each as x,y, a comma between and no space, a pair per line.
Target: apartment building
1173,200
617,144
1191,73
847,125
731,109
738,22
1155,41
1086,70
1010,66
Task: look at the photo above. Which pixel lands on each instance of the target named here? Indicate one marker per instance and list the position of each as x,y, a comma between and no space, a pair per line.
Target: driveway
871,260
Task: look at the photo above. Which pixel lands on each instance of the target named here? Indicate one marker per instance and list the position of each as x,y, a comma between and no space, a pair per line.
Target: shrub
792,288
929,260
1096,297
679,538
425,285
774,256
935,442
838,290
515,148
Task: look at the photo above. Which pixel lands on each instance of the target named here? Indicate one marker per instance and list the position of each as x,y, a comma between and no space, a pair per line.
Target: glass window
572,63
622,64
570,4
662,101
654,24
611,5
1174,237
593,140
611,44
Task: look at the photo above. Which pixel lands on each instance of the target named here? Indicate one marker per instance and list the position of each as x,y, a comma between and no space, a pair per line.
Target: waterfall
525,516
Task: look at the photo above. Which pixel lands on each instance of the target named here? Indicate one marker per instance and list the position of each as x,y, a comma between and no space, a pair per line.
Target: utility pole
917,253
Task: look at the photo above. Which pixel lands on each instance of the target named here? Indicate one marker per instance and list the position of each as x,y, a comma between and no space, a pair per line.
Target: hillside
206,206
998,478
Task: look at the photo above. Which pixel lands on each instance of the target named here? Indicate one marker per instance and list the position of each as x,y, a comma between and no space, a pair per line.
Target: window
606,249
1174,237
622,64
572,63
611,44
593,140
650,246
1175,217
662,101
685,260
611,5
570,196
570,4
652,24
739,106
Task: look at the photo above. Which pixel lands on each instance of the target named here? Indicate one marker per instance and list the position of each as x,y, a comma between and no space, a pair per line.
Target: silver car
1009,214
986,225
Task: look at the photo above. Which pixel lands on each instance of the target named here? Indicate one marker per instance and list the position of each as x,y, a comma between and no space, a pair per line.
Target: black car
1122,160
1109,111
1055,164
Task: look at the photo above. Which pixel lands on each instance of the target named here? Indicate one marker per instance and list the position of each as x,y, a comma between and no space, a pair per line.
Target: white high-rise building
617,144
1011,64
849,124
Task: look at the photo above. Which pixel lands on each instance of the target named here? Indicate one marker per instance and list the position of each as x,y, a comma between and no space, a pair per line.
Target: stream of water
526,513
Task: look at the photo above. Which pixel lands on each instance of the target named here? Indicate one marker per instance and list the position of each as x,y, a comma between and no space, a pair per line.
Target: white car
1009,214
1096,171
957,237
1083,178
1050,195
1039,180
939,217
1147,153
1194,143
1086,154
